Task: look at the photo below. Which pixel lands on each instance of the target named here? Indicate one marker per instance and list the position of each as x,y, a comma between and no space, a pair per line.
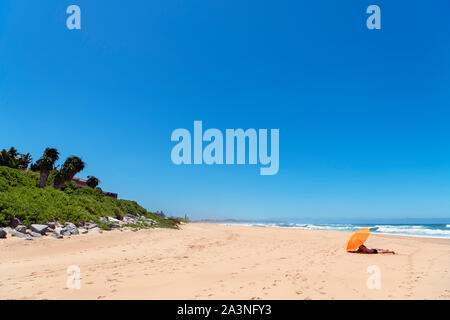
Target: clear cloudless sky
363,114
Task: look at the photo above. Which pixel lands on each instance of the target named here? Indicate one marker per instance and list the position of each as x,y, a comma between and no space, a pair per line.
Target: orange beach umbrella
357,239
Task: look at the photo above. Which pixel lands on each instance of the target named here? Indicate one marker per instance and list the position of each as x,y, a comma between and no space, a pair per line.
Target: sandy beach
206,261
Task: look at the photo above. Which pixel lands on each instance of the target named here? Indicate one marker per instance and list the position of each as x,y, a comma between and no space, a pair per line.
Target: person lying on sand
363,249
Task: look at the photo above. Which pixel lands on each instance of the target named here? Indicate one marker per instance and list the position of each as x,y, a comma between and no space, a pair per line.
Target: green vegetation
21,197
70,168
13,159
92,182
46,192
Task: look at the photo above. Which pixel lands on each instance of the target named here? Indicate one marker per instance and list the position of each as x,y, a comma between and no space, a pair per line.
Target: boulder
39,228
92,226
71,228
84,231
21,228
111,219
65,232
35,234
129,220
14,222
18,234
8,230
96,229
2,234
51,225
57,236
103,219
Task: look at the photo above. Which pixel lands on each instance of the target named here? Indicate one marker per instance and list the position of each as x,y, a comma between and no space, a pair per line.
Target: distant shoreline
432,230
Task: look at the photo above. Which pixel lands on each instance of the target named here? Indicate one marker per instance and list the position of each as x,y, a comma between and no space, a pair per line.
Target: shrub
21,197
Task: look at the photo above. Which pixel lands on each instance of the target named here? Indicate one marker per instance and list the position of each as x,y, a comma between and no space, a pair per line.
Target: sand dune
205,261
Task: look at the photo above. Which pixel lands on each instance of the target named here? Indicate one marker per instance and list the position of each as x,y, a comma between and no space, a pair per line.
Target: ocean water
414,230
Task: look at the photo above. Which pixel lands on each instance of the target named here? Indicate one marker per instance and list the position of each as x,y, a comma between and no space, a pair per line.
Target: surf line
213,153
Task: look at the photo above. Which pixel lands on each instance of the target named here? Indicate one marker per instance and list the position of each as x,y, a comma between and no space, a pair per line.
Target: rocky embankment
59,231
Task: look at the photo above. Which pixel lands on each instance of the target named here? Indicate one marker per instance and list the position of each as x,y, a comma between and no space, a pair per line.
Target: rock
21,228
114,225
2,234
18,234
65,232
92,226
39,228
71,228
51,225
84,231
35,234
14,222
28,238
8,229
129,220
103,219
57,236
134,229
111,219
96,229
148,221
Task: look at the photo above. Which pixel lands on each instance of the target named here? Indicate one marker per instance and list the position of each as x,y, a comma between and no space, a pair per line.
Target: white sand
205,261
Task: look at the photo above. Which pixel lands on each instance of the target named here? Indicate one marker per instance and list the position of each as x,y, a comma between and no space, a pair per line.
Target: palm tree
93,182
24,161
70,168
13,152
46,164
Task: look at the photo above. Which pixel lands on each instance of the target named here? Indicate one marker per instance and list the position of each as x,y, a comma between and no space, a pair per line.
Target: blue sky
363,115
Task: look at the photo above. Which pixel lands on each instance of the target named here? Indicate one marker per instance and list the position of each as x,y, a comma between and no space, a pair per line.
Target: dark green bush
21,197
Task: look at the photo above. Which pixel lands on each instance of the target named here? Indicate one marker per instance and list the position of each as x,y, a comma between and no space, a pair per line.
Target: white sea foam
434,231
